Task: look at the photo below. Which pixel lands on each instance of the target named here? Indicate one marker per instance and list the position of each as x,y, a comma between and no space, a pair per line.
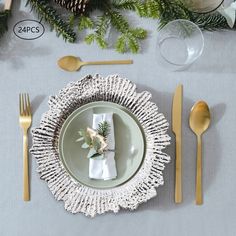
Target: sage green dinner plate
129,144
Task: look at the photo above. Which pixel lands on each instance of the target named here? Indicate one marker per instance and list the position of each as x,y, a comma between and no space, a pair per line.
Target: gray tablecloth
31,66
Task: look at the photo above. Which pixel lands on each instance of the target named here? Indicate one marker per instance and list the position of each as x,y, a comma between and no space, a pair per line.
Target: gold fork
25,123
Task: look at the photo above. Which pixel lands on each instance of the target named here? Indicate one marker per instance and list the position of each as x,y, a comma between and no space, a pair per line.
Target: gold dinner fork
25,123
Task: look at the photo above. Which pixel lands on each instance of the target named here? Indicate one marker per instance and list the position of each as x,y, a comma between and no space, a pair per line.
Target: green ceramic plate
129,141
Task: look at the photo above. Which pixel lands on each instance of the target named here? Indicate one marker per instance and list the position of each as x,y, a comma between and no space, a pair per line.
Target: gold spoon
199,121
71,63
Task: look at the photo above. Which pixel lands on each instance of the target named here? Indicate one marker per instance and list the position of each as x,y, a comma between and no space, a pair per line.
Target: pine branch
175,9
48,13
171,10
85,22
131,5
3,21
72,20
210,22
100,32
103,129
97,5
118,21
129,38
149,8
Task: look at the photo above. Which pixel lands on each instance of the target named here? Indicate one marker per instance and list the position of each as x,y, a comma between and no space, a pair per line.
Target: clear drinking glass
179,44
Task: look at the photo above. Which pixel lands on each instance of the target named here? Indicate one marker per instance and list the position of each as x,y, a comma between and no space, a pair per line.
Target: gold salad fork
25,123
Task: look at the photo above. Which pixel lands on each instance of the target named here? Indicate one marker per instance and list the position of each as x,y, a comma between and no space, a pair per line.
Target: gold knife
177,130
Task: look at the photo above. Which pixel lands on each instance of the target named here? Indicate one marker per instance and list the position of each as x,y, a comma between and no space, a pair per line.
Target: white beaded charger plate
81,198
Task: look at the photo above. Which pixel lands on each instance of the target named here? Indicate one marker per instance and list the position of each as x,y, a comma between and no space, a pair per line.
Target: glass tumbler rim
196,28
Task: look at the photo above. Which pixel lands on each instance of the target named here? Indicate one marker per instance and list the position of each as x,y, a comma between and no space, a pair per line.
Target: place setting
102,145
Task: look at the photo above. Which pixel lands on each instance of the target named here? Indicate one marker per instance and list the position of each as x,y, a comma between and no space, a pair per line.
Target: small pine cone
76,6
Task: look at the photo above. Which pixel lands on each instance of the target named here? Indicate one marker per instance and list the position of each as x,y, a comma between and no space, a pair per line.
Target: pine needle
3,21
49,14
103,129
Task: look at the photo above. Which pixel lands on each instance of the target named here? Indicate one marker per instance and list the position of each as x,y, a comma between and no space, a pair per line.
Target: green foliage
101,30
119,22
210,22
49,14
129,37
139,33
110,15
150,8
121,44
71,20
90,38
171,10
129,40
85,22
3,21
130,5
103,129
168,10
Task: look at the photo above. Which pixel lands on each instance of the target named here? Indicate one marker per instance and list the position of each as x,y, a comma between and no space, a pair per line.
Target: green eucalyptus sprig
95,140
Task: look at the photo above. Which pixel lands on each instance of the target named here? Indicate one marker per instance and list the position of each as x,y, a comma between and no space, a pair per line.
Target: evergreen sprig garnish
103,129
49,14
3,21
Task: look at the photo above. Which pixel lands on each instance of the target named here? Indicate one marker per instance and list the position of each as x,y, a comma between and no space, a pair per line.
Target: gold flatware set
199,121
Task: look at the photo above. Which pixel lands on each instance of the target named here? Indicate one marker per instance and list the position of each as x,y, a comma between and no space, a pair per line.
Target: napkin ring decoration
96,140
